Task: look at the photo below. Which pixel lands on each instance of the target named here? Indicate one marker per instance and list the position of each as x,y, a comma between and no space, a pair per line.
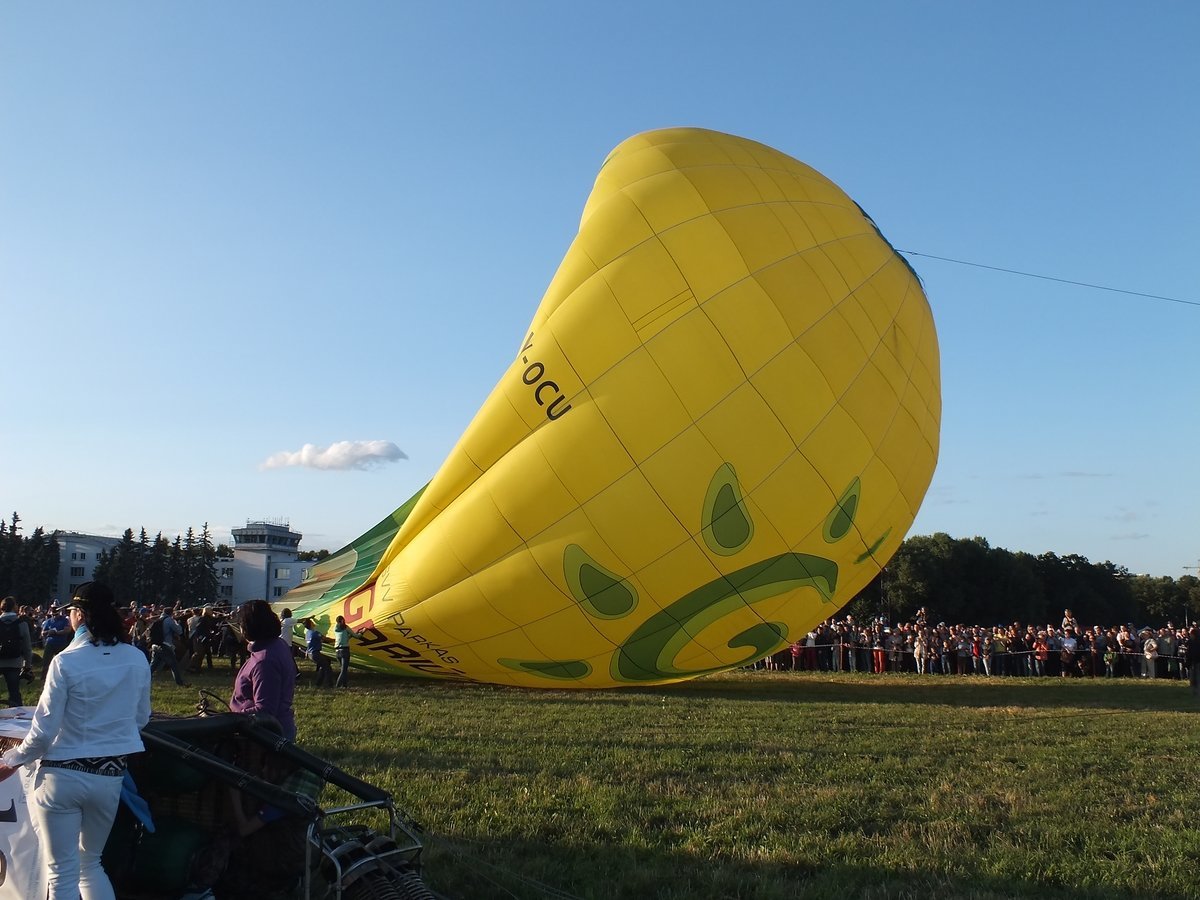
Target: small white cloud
339,456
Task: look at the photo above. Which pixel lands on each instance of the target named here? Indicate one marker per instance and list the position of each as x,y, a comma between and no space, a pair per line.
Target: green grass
779,785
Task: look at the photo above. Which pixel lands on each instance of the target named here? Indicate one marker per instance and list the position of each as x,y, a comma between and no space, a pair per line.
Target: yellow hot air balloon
716,430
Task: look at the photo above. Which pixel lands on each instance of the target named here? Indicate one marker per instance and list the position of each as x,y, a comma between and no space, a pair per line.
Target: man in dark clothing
16,649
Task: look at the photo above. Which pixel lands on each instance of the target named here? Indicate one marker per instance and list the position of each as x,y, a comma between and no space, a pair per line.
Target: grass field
779,785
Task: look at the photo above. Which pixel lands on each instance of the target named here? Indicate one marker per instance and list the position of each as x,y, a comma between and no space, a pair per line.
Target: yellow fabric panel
511,644
794,217
837,284
799,295
592,330
799,411
568,629
548,563
721,187
526,512
792,184
462,615
838,450
678,352
746,409
875,308
614,227
824,194
688,154
665,199
684,564
707,257
636,525
862,402
680,473
860,323
765,186
586,457
500,424
574,271
885,361
794,485
832,344
644,426
758,234
750,324
905,446
648,287
469,534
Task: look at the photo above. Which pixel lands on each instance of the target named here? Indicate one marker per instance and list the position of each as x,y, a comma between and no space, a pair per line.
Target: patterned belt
113,766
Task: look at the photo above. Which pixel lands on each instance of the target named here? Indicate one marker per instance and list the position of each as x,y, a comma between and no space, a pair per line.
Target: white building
265,564
78,556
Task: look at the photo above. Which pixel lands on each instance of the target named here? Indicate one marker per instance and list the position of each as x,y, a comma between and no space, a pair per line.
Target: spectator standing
164,632
56,634
878,654
341,649
203,630
1150,653
266,682
1193,659
1067,654
1041,653
16,649
313,643
94,703
287,626
140,633
1167,663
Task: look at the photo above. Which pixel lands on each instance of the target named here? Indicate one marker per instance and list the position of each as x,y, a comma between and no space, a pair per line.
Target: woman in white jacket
89,718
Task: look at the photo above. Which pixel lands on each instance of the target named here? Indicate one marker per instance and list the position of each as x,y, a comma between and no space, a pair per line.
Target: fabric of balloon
715,431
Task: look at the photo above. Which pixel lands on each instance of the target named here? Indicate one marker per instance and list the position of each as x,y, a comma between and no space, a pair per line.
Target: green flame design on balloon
727,524
649,652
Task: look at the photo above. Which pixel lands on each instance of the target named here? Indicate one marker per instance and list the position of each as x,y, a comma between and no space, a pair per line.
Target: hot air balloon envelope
715,431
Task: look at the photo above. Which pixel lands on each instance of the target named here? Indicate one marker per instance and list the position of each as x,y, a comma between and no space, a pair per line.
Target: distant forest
966,581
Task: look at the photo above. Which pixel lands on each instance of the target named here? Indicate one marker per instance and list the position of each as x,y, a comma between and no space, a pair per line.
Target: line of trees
146,571
28,565
964,580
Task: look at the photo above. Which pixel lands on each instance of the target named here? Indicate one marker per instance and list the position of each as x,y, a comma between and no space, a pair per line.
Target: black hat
89,595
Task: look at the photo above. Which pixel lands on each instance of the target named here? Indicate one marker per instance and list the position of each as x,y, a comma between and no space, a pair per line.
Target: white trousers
73,813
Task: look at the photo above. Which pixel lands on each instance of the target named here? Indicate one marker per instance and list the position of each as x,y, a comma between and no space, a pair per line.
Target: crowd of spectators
1064,649
176,639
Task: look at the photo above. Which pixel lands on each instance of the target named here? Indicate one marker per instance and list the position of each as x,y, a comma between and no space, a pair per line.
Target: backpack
156,632
10,639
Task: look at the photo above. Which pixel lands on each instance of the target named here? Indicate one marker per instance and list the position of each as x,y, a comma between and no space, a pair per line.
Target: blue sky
228,231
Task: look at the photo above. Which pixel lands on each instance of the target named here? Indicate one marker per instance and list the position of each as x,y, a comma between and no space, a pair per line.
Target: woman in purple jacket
267,680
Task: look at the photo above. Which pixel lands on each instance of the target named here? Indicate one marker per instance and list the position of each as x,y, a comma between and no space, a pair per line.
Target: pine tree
208,583
123,577
176,572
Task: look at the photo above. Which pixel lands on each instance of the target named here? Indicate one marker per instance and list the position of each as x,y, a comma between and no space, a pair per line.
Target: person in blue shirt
56,634
312,643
